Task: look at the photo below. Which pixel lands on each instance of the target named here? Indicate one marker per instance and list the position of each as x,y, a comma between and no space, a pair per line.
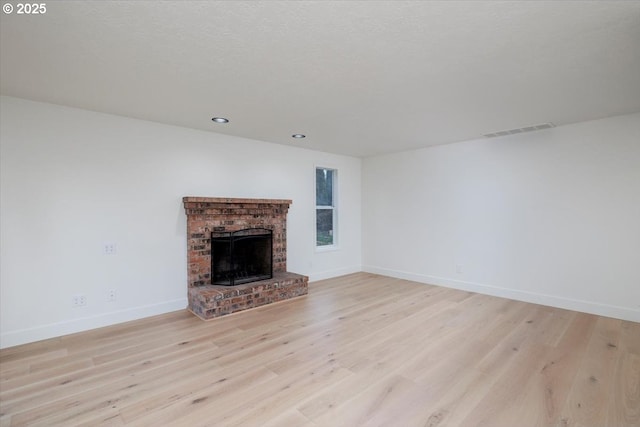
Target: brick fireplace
206,215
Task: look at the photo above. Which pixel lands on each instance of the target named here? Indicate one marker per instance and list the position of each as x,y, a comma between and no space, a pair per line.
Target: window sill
327,248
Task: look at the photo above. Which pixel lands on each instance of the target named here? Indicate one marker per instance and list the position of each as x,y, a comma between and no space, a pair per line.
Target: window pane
324,227
324,187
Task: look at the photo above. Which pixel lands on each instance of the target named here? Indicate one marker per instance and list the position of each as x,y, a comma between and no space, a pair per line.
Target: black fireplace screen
241,256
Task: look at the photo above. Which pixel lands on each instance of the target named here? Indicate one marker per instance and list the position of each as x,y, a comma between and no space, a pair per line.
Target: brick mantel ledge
235,200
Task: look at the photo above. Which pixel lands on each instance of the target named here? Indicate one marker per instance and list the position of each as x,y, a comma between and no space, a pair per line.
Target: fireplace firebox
241,256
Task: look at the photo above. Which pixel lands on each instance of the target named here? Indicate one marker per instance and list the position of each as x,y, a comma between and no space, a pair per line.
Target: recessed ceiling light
220,120
298,135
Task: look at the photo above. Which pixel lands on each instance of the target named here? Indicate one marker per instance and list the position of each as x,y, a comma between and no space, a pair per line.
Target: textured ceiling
358,78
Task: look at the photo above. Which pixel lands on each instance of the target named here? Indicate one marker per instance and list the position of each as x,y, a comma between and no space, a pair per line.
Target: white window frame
333,207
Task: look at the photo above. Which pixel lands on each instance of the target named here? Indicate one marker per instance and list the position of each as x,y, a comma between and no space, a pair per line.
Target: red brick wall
207,214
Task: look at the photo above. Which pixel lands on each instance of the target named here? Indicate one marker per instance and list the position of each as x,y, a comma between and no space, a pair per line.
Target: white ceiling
358,78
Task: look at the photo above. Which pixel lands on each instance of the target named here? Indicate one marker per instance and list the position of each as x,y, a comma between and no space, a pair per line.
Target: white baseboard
23,336
334,273
606,310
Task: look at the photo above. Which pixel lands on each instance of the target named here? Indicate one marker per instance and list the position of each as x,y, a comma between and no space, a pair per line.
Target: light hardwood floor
358,350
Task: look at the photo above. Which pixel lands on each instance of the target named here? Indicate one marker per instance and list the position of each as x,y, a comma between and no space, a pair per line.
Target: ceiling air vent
519,130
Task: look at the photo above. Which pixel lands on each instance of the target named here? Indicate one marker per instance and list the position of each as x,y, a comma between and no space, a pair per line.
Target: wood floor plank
625,392
114,391
360,349
79,381
183,399
587,403
551,380
508,387
288,419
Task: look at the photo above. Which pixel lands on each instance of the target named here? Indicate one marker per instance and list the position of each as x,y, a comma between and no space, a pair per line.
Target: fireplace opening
241,256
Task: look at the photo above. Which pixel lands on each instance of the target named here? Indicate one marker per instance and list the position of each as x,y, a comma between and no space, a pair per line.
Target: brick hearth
207,214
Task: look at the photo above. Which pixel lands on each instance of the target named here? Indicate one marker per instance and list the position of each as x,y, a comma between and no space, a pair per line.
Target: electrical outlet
109,248
459,268
79,300
111,295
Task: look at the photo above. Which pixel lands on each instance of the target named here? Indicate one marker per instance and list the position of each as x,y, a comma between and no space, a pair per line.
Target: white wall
551,217
73,179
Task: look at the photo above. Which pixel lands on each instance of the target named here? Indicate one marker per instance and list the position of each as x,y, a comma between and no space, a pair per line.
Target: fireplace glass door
241,256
